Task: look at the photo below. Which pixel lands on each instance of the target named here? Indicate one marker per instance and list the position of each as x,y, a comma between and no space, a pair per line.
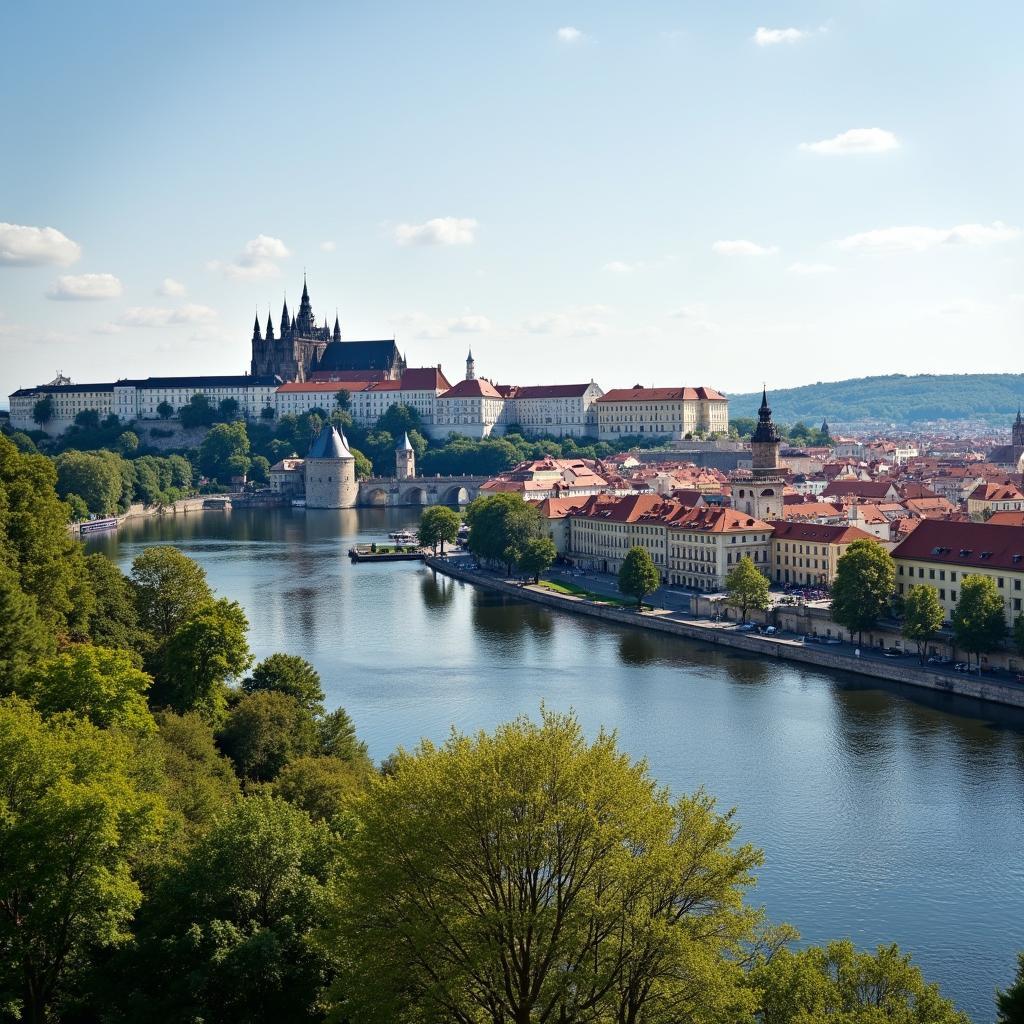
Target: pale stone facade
661,412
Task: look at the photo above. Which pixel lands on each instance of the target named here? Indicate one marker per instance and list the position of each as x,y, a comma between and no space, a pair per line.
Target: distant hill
991,397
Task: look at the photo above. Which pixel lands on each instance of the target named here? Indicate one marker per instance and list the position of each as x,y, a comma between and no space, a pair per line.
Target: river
886,814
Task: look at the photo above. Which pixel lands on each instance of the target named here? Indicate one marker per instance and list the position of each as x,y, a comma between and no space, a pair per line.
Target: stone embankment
198,503
664,621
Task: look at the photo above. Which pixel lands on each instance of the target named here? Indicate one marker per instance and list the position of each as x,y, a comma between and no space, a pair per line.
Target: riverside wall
962,685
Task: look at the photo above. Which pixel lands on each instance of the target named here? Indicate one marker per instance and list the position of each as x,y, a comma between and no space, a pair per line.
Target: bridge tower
405,459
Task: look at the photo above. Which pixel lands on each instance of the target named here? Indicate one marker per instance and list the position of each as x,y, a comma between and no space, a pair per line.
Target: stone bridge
419,490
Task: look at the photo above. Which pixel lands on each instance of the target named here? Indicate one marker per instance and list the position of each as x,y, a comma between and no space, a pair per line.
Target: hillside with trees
897,398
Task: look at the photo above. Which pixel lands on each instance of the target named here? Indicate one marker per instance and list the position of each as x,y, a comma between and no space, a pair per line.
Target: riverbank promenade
669,613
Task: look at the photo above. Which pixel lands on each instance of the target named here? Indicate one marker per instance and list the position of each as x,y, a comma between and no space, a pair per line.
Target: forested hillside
896,398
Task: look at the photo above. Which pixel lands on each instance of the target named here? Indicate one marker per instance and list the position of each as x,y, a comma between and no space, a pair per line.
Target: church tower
1018,431
405,459
470,367
762,499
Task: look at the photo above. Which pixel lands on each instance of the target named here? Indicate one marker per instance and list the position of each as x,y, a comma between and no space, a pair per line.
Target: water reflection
886,813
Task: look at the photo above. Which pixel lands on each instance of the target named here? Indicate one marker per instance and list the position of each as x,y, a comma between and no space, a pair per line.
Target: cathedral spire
257,334
270,326
305,323
285,321
337,328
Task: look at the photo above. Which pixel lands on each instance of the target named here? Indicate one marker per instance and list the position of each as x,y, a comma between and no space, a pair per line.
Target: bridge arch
457,494
415,496
376,496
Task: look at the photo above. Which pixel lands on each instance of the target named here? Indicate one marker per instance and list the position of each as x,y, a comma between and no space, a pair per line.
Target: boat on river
98,525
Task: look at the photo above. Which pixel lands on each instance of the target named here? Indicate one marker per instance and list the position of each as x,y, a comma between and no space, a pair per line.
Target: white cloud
568,34
621,267
743,247
914,238
856,140
259,258
774,36
696,316
439,231
171,288
84,287
24,246
328,246
158,316
809,269
470,323
574,324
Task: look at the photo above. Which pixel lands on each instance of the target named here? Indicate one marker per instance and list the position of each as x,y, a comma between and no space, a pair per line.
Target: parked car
770,631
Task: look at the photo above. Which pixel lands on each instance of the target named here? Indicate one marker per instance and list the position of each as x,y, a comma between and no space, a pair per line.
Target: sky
694,193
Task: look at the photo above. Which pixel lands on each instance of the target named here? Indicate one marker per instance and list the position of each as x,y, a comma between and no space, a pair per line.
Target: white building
663,412
141,399
562,410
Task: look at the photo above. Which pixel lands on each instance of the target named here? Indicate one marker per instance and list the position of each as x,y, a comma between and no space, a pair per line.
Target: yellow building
807,553
941,553
988,498
706,543
672,412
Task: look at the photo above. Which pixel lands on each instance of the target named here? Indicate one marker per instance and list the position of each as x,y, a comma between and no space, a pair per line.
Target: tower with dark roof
470,366
1018,430
330,471
762,498
405,459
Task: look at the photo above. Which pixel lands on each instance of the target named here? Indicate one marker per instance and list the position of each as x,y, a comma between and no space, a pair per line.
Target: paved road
678,603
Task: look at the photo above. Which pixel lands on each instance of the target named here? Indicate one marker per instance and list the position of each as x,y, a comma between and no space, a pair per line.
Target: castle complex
303,366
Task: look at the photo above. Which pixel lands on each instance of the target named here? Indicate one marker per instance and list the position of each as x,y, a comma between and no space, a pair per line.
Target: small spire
305,290
337,327
257,334
270,326
285,320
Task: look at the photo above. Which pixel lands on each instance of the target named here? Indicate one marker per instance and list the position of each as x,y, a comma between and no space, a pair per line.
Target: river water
886,814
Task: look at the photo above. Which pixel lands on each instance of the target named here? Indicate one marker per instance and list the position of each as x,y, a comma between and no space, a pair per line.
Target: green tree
43,410
1010,1001
531,876
838,983
266,730
500,525
169,589
343,399
77,508
96,683
180,470
128,443
228,410
88,419
197,782
863,588
225,451
24,637
324,787
1018,634
979,621
291,675
747,587
537,557
34,540
202,655
165,410
364,467
336,737
95,478
922,617
638,576
73,828
259,470
226,937
438,524
114,620
398,419
197,413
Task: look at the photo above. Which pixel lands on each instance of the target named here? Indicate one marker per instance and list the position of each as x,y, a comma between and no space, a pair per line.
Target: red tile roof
966,544
476,388
322,386
820,533
641,394
996,492
633,508
718,520
424,378
514,391
1006,518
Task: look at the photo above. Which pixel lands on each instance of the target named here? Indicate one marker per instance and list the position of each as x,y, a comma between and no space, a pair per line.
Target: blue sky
699,193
